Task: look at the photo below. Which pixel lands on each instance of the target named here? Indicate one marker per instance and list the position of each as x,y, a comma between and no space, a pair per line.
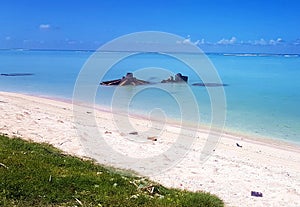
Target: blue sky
214,25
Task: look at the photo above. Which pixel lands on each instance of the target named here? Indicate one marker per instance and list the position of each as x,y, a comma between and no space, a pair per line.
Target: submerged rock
16,74
124,81
210,84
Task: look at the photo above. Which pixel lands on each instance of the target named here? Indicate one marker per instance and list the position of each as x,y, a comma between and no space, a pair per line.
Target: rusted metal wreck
124,81
179,78
129,79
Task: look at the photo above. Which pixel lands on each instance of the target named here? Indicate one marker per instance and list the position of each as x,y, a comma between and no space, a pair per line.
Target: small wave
259,55
290,56
241,54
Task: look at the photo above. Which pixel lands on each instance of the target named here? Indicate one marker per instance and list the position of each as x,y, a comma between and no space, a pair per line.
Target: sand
230,172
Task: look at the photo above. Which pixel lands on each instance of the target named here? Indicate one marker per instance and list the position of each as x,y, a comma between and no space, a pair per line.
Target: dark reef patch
16,74
210,84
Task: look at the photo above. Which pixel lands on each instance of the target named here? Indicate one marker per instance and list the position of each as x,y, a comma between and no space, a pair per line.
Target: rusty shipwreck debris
129,79
179,78
124,81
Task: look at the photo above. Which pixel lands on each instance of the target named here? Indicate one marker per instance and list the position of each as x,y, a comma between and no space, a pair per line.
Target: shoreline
231,172
203,127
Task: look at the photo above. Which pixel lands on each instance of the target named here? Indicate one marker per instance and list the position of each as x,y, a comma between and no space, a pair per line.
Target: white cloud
45,26
275,42
235,41
187,40
296,42
260,42
227,41
265,42
200,42
272,42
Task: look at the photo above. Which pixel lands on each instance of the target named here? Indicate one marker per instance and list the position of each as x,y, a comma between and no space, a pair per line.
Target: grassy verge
34,174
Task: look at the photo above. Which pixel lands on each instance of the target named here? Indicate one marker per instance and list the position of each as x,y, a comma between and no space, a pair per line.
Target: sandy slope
231,172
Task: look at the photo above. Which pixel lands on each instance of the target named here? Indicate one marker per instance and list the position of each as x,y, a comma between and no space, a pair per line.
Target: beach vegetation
33,174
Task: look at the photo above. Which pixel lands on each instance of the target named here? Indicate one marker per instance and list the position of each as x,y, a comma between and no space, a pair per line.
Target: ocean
262,91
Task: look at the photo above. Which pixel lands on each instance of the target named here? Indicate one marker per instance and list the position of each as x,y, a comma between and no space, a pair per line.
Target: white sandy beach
231,172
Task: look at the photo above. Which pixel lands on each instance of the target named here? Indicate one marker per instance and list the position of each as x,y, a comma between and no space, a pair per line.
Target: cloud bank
44,26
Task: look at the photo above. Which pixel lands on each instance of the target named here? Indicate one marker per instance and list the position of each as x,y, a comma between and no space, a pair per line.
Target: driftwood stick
1,164
78,201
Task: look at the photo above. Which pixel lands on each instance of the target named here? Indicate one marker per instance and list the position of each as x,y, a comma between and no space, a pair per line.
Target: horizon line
95,50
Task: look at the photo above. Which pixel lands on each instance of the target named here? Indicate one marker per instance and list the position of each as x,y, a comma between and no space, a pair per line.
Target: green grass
34,174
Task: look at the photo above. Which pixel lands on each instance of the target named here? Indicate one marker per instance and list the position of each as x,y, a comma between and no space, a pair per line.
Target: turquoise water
262,95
